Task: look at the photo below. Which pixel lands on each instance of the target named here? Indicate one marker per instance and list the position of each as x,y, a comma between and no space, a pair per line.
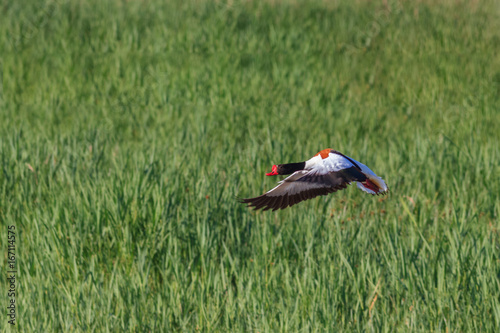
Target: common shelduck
327,172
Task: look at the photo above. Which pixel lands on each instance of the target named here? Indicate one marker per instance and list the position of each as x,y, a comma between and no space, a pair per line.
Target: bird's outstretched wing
303,185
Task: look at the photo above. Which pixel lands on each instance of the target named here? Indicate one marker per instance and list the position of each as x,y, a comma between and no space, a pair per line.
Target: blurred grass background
128,129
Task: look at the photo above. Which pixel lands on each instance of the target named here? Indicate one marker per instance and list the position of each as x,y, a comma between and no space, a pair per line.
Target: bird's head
286,169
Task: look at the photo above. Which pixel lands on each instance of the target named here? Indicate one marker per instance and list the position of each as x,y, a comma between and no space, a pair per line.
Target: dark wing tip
265,202
243,200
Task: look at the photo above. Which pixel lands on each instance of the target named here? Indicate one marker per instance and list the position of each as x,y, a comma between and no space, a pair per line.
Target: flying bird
328,171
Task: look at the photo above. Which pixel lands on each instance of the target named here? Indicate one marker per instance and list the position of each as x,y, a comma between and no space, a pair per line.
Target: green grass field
128,129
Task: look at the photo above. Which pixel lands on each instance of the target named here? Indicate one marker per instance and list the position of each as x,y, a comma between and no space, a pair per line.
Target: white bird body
328,171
